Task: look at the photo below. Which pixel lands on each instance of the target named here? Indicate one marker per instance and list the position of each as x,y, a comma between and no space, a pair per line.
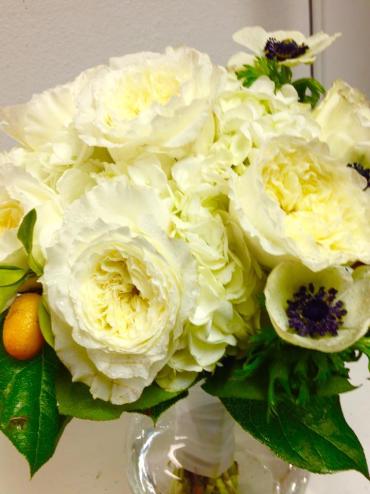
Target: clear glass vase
196,448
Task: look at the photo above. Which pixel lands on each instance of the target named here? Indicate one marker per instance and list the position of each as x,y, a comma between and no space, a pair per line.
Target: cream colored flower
119,289
326,311
19,193
296,202
45,123
149,99
344,118
248,117
287,47
226,310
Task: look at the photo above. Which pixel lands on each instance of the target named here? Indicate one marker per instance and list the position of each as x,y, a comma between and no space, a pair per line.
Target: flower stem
191,483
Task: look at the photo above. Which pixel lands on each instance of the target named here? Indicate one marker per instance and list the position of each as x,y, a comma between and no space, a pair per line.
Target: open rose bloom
185,222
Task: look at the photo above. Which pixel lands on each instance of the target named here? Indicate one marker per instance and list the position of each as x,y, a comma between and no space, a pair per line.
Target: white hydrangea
19,193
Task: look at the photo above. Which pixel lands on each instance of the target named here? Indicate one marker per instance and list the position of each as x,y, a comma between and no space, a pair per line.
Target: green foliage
309,89
11,278
28,409
25,236
363,347
279,74
45,324
315,437
276,371
25,230
75,399
34,265
226,382
154,401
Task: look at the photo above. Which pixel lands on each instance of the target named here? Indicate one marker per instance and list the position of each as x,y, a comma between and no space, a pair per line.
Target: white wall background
47,42
348,58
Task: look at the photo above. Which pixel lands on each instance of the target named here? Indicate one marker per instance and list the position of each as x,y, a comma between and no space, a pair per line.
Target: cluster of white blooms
166,192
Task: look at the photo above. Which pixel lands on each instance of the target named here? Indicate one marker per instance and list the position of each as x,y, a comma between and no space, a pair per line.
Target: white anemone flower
287,47
326,311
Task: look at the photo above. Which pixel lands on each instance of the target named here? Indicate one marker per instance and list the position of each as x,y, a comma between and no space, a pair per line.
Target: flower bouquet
167,222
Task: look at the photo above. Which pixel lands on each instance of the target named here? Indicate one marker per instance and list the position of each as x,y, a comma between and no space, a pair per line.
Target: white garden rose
119,289
287,47
45,123
40,164
344,118
326,311
19,193
295,201
149,99
147,171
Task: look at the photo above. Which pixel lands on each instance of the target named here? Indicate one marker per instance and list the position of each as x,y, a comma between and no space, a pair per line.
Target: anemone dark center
315,312
284,49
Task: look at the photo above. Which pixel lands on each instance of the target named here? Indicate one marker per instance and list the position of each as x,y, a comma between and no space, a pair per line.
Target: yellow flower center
118,303
318,202
295,182
11,214
134,93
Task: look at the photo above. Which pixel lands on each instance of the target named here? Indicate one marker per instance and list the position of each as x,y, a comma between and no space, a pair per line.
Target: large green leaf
75,399
28,410
316,438
226,383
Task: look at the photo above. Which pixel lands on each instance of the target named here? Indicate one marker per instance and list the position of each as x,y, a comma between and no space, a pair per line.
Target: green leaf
225,383
363,345
25,235
25,231
75,399
279,74
34,265
9,275
154,401
11,278
334,386
45,324
309,90
293,373
315,437
279,377
28,410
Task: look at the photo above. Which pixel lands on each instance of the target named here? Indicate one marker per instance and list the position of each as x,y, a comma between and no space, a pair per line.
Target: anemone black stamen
364,172
315,312
284,49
